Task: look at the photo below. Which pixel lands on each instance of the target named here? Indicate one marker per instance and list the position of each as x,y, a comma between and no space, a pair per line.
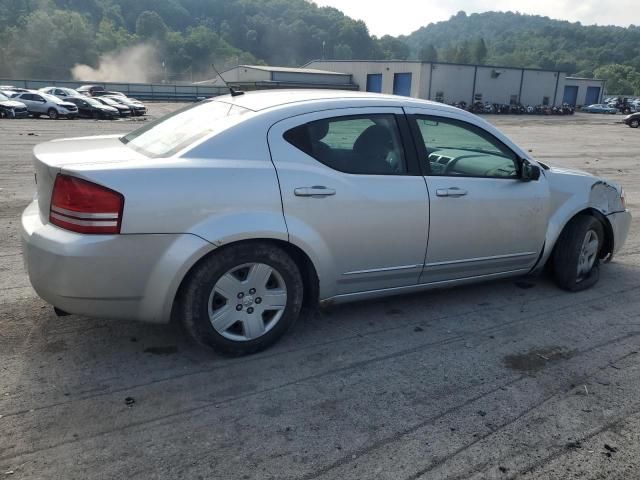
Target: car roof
265,99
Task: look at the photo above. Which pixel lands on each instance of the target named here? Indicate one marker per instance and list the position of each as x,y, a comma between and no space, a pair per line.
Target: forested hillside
47,38
513,39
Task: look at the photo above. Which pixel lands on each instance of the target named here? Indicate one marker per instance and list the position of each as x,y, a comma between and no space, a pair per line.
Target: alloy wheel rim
588,254
247,301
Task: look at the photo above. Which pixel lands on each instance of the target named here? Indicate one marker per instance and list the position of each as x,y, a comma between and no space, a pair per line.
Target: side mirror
529,172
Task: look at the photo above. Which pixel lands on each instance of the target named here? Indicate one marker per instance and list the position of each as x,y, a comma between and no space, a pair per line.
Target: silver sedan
232,214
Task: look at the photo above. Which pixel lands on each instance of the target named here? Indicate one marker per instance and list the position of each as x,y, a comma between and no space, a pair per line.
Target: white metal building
450,82
252,77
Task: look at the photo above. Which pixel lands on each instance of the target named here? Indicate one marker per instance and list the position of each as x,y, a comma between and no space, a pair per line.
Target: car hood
11,104
570,174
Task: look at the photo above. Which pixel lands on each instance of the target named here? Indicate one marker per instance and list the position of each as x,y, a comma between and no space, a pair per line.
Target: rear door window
359,144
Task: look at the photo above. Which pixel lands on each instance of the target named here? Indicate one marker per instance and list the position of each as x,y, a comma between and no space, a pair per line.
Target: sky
401,17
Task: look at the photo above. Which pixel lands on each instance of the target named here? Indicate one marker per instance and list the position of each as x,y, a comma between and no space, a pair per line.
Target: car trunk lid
72,156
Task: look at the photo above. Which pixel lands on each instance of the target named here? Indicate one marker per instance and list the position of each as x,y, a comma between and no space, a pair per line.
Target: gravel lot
503,380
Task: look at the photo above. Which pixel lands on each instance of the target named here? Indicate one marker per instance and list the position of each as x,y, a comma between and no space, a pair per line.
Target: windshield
50,98
170,134
93,102
108,101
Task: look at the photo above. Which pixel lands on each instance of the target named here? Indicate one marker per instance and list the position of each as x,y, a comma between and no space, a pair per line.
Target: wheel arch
607,247
305,264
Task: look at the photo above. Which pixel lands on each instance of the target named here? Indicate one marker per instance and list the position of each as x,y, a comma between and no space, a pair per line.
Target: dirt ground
510,379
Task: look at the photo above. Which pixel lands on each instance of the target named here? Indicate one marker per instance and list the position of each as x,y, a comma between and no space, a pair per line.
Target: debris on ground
129,401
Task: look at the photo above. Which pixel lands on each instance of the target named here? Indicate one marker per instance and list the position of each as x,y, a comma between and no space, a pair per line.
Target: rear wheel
635,123
576,262
52,113
242,299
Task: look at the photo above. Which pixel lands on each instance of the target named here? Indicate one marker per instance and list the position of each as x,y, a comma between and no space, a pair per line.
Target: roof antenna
232,91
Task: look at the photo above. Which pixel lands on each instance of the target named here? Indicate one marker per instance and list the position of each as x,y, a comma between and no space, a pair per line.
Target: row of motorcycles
515,109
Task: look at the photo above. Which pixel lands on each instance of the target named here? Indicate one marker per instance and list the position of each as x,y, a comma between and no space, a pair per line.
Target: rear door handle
315,191
451,192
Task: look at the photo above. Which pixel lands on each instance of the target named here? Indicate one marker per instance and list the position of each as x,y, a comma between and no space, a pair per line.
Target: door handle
451,192
315,191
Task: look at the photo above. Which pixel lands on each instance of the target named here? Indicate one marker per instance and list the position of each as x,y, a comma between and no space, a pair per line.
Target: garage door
593,95
402,84
571,95
374,82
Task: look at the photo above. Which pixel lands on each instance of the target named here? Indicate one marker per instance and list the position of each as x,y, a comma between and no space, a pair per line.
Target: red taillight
85,207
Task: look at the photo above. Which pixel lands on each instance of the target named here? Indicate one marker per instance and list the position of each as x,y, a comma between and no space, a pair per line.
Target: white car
61,92
39,103
232,213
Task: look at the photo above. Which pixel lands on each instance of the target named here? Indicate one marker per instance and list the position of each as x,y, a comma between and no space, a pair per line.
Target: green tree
428,53
463,53
480,51
621,79
393,49
342,51
151,26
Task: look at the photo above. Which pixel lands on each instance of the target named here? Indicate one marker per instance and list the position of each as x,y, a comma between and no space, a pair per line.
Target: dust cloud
137,64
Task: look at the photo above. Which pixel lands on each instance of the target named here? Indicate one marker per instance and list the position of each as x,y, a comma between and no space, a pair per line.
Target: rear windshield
172,133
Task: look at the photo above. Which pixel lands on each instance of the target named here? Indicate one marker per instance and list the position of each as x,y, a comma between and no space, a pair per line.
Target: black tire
635,123
568,250
194,298
52,113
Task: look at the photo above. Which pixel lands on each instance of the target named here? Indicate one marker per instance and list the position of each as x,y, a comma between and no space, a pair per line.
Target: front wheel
242,299
635,123
53,114
576,259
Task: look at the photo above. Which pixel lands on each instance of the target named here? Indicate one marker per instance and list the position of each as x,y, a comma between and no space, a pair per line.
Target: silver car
61,92
234,213
39,103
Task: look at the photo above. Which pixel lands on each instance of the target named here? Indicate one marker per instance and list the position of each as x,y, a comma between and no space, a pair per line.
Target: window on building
360,144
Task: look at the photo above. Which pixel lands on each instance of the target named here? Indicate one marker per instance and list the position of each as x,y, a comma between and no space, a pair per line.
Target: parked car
108,92
13,88
632,120
90,108
39,103
12,108
61,92
122,109
600,108
232,213
137,107
90,90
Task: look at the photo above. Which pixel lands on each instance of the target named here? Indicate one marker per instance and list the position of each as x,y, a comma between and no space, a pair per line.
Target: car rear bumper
133,277
620,223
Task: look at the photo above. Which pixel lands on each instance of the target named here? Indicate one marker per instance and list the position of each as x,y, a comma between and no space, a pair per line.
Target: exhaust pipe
60,313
